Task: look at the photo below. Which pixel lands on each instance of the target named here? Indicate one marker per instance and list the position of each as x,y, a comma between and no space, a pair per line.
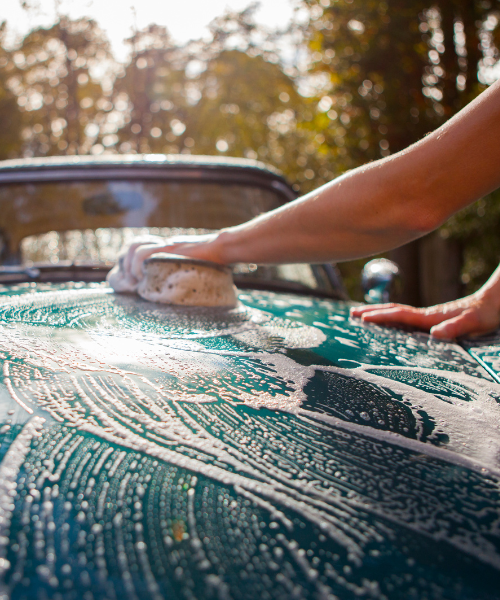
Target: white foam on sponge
121,278
172,279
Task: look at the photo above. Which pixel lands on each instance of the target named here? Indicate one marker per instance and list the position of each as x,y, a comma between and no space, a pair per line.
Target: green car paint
279,450
486,350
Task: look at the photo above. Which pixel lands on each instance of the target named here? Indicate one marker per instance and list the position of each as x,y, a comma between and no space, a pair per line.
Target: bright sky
185,19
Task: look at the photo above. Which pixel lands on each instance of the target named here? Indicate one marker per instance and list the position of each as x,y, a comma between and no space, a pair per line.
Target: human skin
473,315
371,209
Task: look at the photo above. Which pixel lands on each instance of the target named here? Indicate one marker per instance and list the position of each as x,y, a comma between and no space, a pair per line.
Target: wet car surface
276,450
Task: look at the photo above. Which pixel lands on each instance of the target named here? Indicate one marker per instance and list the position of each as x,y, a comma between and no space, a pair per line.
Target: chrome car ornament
381,281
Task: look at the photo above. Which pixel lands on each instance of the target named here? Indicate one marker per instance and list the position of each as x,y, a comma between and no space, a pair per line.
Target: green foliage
477,229
397,70
375,56
10,118
240,105
379,76
151,93
56,83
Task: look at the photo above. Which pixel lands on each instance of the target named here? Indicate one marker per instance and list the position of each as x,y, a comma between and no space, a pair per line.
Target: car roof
165,160
146,166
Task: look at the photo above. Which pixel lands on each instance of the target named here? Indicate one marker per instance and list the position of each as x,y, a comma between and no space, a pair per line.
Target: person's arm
376,207
473,315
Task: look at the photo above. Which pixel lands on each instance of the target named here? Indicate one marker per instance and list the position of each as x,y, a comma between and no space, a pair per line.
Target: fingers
122,277
358,311
132,260
118,280
402,315
467,323
140,254
446,321
141,249
131,248
194,246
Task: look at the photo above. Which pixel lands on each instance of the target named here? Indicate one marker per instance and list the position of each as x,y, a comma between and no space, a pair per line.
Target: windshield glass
34,208
89,221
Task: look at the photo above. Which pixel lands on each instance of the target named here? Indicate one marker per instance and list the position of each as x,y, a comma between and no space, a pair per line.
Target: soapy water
485,351
354,457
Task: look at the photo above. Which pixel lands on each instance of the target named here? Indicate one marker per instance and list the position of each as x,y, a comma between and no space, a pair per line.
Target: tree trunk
408,259
440,269
431,269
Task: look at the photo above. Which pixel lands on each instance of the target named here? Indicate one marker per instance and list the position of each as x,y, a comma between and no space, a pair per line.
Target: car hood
281,431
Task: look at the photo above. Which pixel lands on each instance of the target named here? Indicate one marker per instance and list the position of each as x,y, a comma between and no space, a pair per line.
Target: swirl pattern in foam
237,453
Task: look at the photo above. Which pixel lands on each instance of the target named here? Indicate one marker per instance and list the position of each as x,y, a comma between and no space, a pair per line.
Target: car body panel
83,193
486,350
156,167
278,450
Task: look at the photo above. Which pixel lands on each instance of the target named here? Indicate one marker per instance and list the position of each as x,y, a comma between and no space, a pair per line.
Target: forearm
381,205
347,218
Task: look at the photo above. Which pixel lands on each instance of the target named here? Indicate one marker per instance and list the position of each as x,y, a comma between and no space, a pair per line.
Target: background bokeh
342,83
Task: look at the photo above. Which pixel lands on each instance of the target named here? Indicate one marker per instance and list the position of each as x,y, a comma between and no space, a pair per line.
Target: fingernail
441,332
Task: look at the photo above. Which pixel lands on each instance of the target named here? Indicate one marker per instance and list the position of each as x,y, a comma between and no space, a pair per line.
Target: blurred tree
247,107
375,58
153,91
58,82
474,27
270,112
10,117
382,74
397,70
207,99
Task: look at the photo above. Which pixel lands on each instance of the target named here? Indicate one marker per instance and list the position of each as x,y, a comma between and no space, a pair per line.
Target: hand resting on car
473,315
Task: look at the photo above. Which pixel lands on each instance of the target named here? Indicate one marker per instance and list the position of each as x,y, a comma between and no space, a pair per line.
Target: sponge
175,279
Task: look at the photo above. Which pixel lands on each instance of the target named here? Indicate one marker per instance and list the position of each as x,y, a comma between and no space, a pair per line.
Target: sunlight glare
184,20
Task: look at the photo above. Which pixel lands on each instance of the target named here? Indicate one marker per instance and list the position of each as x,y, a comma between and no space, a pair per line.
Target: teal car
278,450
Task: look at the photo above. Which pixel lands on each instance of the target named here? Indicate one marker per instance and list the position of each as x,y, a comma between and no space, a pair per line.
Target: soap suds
121,278
170,279
9,471
187,283
172,394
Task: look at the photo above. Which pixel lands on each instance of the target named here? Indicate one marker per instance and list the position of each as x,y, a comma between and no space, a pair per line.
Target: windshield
35,208
89,221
